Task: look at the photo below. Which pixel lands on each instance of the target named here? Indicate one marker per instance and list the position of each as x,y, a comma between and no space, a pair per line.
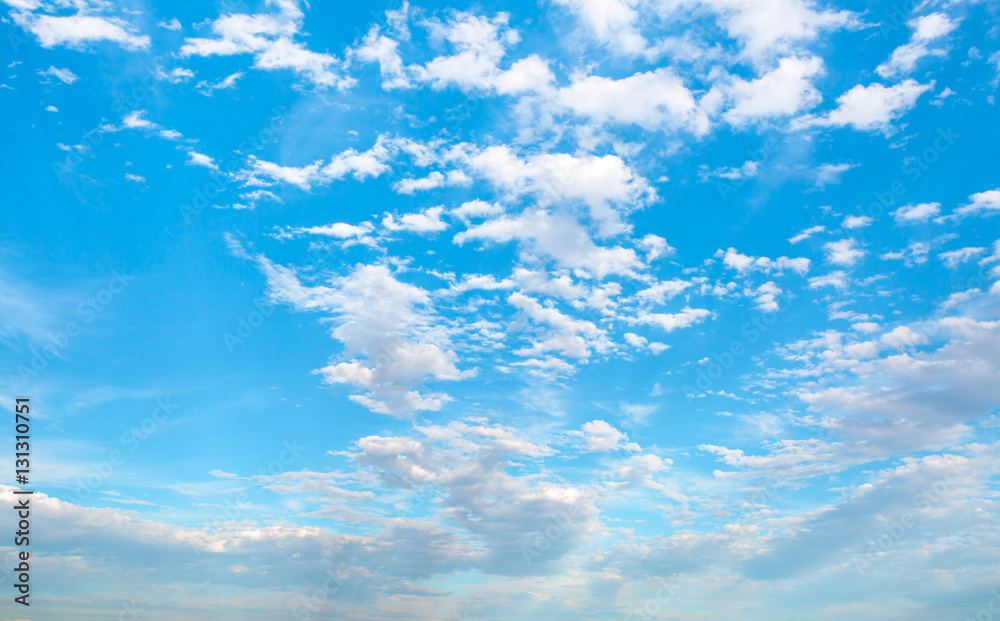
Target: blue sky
590,309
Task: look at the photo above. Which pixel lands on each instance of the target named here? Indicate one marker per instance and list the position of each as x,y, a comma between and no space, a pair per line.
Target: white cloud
865,327
605,184
658,348
426,221
337,230
599,182
478,45
954,258
410,186
600,436
634,340
836,279
652,100
503,514
806,234
903,336
559,333
434,180
114,540
663,290
379,48
558,236
23,5
656,247
783,92
763,35
885,526
200,159
266,173
528,75
561,296
827,174
672,321
63,75
617,24
638,471
932,26
476,209
913,213
918,399
547,368
926,29
76,31
987,203
270,39
360,165
612,22
959,299
207,88
749,169
993,258
173,24
176,75
542,282
766,299
843,252
135,120
874,107
856,222
388,330
914,254
746,263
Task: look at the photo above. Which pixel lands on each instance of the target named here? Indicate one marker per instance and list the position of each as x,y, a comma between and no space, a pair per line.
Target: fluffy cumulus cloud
427,221
338,230
614,22
783,92
618,24
359,165
927,29
89,24
898,386
601,183
843,252
271,39
558,237
909,214
504,515
743,263
600,436
555,332
669,322
874,107
477,44
762,35
390,343
981,203
655,99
